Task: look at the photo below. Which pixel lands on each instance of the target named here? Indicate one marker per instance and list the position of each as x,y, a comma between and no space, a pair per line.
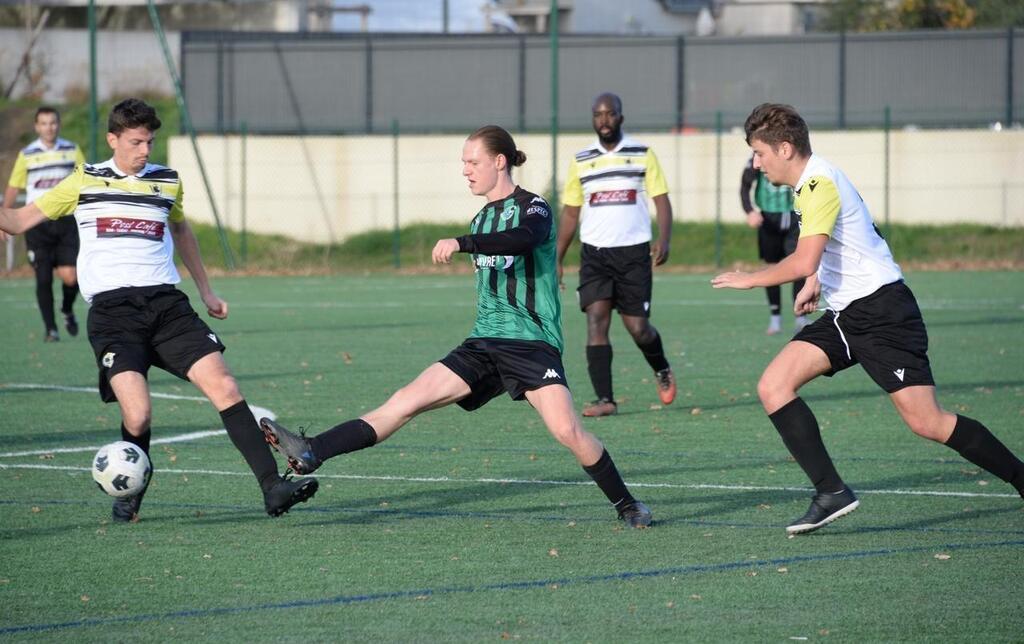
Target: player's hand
215,306
733,279
443,251
659,253
755,218
806,301
560,270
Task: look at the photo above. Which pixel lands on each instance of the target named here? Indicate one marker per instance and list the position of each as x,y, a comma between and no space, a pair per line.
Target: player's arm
663,207
806,301
17,220
754,218
534,227
801,264
188,249
572,203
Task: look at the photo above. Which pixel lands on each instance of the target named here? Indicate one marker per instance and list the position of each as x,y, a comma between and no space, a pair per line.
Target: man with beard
610,182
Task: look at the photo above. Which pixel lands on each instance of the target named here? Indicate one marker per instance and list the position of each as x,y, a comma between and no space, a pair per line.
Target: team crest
508,213
108,359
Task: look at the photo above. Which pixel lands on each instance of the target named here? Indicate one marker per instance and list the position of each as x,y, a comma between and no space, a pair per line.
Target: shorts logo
31,257
647,306
108,360
899,373
613,198
212,337
551,373
127,227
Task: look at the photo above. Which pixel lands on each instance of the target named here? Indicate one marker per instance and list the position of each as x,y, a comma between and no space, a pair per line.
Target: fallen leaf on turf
670,605
346,358
36,509
553,552
782,570
695,411
942,556
46,457
696,597
207,556
84,598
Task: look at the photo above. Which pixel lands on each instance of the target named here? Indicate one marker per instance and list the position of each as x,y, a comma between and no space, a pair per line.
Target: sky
413,15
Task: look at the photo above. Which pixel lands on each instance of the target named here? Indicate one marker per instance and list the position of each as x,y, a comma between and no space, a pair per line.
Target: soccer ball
121,469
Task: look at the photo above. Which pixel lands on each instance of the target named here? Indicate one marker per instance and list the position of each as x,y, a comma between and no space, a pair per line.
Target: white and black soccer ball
121,469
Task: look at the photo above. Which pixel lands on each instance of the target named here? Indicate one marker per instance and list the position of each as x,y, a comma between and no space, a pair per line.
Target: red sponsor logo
126,227
613,198
46,184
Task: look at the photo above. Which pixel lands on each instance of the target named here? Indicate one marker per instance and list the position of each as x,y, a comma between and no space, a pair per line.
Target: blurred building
657,17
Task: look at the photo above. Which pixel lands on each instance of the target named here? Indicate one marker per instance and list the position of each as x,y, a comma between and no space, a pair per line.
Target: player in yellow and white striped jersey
131,217
610,182
41,165
872,319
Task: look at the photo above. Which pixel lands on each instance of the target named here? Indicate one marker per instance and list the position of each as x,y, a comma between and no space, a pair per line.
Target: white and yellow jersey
122,224
612,187
38,168
857,260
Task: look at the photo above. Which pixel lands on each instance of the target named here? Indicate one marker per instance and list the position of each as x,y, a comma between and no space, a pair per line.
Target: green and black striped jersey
513,245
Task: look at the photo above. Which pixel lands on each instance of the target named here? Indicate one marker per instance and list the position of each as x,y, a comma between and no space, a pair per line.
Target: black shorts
884,332
621,274
132,329
492,366
773,242
53,243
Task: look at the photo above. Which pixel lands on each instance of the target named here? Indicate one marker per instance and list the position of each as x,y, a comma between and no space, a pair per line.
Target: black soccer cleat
636,515
825,508
296,448
287,492
51,336
71,324
126,508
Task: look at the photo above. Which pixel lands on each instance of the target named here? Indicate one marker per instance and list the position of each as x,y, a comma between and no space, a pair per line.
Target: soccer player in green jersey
515,345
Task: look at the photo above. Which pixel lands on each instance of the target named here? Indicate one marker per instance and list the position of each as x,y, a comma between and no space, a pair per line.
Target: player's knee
772,395
926,427
137,421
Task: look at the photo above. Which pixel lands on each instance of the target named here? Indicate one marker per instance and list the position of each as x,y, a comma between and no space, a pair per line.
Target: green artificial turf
478,526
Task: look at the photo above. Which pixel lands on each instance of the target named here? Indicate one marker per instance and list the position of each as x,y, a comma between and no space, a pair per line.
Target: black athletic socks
44,295
347,437
248,439
140,441
975,442
654,353
774,299
607,477
70,293
799,430
599,366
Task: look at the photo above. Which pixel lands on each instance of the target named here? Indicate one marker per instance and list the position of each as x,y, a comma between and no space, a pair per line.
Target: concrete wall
128,62
328,188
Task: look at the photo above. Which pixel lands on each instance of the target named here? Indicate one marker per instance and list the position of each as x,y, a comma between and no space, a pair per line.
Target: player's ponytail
498,141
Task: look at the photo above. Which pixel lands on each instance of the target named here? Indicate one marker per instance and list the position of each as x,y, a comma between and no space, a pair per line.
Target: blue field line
392,513
344,600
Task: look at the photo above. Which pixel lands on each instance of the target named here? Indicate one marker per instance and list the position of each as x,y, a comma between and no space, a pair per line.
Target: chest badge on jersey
509,212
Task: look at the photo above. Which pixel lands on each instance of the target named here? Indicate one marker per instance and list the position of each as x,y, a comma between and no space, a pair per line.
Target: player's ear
111,139
500,162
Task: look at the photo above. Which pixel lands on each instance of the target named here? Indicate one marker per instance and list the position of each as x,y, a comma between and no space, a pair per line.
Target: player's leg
211,375
599,358
66,257
595,293
798,363
770,249
634,287
920,410
132,393
437,386
554,404
41,257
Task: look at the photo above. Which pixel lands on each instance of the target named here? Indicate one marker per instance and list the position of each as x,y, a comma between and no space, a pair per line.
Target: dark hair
775,123
46,109
131,113
498,141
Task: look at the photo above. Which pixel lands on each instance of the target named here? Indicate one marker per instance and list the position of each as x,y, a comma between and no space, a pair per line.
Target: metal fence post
244,191
718,188
886,127
396,238
553,27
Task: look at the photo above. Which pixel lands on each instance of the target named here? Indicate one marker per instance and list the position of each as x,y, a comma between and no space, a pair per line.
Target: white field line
258,412
448,479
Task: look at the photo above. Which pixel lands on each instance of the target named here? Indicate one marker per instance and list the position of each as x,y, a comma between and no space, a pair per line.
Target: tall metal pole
93,111
885,164
444,16
245,190
396,239
186,122
718,188
553,28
